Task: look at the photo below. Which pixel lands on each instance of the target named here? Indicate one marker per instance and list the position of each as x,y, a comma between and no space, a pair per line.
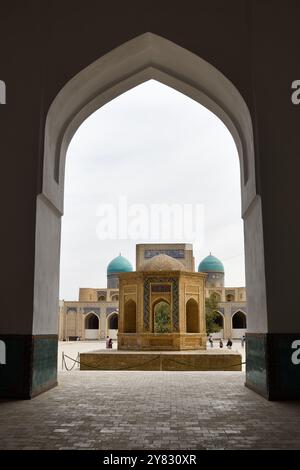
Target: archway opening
239,324
162,317
239,320
113,321
192,316
91,323
130,317
147,57
112,325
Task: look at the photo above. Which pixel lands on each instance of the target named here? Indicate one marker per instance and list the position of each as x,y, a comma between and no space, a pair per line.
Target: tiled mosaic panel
256,352
44,363
175,291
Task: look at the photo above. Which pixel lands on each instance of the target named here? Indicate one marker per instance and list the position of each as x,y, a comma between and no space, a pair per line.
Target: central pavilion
162,307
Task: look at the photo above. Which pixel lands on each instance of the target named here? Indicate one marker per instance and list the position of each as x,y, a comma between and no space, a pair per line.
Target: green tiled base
269,368
31,365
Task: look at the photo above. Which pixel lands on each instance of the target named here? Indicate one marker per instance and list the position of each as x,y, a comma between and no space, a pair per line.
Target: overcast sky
151,146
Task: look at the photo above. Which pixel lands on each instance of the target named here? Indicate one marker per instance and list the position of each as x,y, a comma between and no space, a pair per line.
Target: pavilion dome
119,265
162,263
211,264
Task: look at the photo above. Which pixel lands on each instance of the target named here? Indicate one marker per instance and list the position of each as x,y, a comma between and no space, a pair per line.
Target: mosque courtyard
148,410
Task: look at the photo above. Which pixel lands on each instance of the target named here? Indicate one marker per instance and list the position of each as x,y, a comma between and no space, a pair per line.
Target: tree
213,324
162,318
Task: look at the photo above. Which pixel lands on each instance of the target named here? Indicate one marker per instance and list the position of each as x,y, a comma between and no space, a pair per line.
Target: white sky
151,145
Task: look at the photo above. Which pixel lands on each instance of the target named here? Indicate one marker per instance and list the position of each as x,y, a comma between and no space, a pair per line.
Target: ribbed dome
119,265
162,263
211,264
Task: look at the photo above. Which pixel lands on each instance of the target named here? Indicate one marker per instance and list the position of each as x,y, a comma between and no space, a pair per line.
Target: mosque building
165,276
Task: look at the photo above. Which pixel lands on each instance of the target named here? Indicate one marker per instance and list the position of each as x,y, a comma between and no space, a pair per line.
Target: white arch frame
222,315
115,312
223,329
143,58
237,311
86,315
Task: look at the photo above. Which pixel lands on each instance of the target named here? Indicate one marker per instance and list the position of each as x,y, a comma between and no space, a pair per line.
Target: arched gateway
146,57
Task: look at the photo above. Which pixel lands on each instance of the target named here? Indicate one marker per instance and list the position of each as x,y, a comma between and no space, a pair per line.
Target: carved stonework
129,289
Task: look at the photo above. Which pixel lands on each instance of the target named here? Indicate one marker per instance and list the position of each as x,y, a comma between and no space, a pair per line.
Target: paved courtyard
72,348
149,410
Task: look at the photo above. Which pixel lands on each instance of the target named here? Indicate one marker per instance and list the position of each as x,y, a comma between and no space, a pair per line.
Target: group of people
221,344
228,344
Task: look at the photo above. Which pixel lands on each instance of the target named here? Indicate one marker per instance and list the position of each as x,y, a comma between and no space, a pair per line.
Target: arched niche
130,316
161,314
192,316
239,320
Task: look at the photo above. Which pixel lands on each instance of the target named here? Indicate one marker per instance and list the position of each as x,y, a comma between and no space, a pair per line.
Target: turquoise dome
211,264
119,265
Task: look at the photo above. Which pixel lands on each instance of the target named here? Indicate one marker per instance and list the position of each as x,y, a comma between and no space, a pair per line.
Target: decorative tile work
238,307
177,254
95,310
111,309
161,288
101,292
175,312
256,367
44,374
175,297
71,309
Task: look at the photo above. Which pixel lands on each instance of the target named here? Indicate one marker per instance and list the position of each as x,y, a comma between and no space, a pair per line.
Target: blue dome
211,264
119,265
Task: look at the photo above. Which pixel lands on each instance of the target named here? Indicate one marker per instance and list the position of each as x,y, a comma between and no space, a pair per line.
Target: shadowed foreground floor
149,410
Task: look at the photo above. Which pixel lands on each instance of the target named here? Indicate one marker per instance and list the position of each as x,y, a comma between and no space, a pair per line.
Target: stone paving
149,410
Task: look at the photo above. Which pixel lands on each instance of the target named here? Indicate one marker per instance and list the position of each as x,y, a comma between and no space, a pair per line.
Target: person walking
221,343
107,342
229,343
210,341
243,340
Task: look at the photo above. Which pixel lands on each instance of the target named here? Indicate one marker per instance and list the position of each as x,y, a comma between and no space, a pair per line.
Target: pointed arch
192,316
239,320
91,321
130,316
113,321
145,57
161,316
